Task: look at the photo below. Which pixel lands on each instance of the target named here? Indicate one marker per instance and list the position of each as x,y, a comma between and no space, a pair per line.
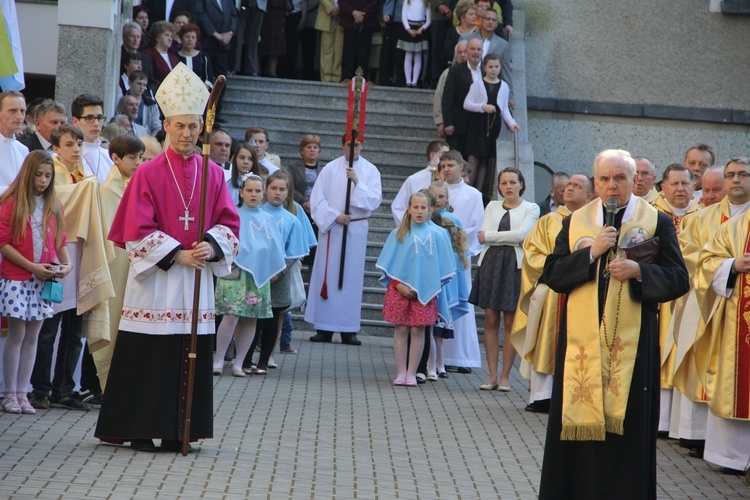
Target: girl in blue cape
416,262
295,248
443,329
298,294
247,298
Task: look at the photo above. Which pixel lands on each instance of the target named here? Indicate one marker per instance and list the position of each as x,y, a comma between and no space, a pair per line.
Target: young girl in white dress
415,17
32,243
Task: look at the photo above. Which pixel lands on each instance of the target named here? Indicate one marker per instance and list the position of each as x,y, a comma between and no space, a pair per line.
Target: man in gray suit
493,44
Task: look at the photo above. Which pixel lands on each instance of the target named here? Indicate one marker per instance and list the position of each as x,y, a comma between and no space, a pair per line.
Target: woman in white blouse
497,283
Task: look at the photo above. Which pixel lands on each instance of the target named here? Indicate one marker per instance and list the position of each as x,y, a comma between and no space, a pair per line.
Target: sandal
10,404
23,402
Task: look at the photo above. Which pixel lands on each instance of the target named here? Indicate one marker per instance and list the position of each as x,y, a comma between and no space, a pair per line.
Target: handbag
52,291
645,252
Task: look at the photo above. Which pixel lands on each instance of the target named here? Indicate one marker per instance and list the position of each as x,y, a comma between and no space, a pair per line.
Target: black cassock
620,467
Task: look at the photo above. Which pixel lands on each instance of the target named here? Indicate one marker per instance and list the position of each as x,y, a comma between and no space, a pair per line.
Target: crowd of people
397,42
97,244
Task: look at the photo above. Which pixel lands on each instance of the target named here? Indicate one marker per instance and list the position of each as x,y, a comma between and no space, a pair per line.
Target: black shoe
662,434
143,445
443,375
70,403
463,369
39,401
350,339
541,406
731,472
173,445
92,398
696,453
322,337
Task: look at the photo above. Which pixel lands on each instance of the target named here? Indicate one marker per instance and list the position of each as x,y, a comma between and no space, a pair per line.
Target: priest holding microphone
621,254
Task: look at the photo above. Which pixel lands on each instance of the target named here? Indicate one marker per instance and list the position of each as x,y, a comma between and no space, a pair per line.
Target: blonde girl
32,242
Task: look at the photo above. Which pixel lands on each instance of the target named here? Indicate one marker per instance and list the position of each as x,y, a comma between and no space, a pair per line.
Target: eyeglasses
91,118
741,174
493,19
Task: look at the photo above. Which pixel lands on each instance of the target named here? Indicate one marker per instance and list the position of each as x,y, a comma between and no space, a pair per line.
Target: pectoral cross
187,219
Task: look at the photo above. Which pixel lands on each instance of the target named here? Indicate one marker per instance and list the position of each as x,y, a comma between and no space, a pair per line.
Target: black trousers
68,352
266,331
356,51
391,59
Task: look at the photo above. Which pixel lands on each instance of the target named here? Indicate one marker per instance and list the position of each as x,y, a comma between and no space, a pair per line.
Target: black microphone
611,210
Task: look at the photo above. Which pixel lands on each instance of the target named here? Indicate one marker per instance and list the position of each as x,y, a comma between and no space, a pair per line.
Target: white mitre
182,93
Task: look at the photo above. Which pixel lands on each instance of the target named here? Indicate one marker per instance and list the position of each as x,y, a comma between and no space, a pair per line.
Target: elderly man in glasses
89,118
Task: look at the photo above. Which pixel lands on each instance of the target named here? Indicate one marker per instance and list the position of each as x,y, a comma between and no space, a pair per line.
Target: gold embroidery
582,389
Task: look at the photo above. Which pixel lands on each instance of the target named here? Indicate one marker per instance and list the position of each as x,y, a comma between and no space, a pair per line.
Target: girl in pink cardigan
32,238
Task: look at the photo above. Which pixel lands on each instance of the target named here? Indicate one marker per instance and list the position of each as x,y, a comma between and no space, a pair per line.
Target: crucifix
187,219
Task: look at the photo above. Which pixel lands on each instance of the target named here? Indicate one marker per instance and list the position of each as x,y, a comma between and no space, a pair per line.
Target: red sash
742,348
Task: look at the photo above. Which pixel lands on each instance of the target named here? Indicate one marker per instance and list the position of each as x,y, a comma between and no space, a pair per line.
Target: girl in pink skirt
416,262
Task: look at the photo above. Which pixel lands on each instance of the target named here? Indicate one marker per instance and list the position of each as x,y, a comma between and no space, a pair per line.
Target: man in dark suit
555,197
359,18
457,84
157,9
217,20
493,44
49,116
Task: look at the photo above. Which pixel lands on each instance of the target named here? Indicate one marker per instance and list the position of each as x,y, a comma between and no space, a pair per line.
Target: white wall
39,32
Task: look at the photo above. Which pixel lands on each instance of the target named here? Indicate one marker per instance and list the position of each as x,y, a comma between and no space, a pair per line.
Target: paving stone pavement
326,424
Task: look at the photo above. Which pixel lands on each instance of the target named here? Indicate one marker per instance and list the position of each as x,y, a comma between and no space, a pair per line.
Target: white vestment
159,303
412,184
463,349
96,160
12,155
341,311
727,442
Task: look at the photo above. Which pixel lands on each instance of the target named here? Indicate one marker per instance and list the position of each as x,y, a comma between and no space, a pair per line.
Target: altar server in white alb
462,350
328,308
157,223
418,180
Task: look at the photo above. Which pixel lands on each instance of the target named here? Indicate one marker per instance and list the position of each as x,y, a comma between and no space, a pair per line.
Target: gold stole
599,369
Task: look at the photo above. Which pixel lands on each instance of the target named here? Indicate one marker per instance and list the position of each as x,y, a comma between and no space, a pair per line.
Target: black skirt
483,129
146,389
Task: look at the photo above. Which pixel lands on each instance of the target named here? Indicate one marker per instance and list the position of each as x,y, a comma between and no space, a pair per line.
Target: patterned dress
22,299
243,298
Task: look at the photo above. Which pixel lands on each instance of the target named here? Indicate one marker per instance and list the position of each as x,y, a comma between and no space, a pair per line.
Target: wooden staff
355,122
210,117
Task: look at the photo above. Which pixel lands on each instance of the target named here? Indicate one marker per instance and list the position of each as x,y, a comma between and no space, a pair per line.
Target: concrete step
331,141
282,86
397,115
290,119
